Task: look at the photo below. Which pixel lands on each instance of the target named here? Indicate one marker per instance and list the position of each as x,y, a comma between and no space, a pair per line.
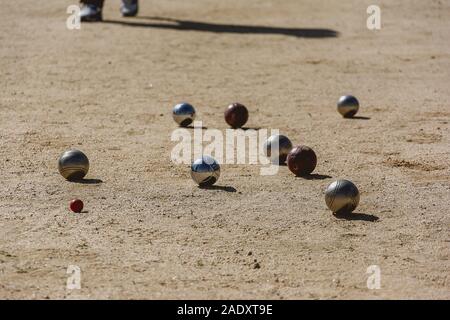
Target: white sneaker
129,8
90,13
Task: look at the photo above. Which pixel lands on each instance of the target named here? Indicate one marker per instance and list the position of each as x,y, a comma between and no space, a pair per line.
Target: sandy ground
148,231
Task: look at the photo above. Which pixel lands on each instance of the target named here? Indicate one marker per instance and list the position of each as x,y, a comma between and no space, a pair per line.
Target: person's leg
129,8
97,3
91,10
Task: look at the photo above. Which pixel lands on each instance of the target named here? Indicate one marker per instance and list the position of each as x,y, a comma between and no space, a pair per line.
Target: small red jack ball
76,205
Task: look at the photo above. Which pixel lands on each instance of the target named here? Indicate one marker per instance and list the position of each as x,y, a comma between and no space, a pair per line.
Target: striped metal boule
73,165
348,106
342,196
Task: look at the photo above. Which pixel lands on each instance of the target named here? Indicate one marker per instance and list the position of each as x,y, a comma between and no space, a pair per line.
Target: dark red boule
302,160
236,115
76,205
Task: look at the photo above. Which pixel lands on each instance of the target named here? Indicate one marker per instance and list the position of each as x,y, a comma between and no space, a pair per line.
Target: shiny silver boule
205,171
342,196
348,106
73,165
277,147
183,114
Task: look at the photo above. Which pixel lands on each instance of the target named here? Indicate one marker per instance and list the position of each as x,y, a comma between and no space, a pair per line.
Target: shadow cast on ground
88,181
356,216
315,176
188,25
192,127
359,118
250,128
221,188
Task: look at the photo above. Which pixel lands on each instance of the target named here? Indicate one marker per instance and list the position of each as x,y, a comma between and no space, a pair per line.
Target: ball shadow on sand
250,128
355,216
192,127
359,118
88,181
315,176
220,188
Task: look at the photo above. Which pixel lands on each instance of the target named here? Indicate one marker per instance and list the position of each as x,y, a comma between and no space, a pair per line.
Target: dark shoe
90,13
129,8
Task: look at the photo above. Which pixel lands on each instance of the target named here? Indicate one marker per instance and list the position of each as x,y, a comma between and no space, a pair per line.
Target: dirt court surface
149,232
